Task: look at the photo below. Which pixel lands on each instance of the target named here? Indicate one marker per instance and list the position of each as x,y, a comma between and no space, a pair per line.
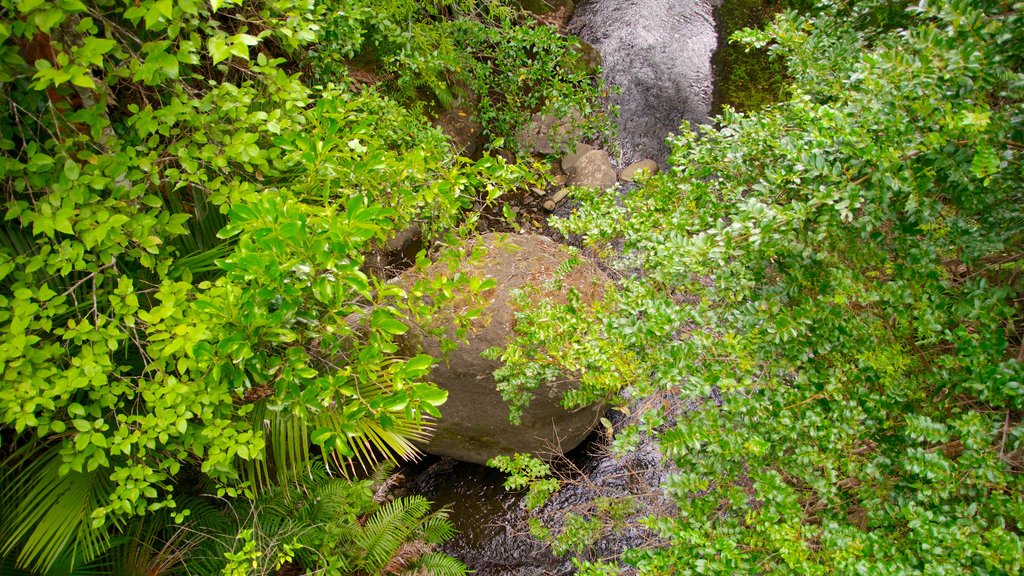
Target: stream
658,53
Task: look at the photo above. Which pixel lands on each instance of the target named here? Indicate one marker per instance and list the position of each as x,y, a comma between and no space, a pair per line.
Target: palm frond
46,518
287,440
153,545
369,443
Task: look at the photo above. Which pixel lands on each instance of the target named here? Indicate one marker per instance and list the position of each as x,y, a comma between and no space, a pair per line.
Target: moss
750,80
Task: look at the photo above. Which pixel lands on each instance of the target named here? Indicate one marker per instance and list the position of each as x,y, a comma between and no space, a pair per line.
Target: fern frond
389,527
436,564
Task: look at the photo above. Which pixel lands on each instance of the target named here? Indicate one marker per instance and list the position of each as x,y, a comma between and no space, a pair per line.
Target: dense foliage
190,190
835,283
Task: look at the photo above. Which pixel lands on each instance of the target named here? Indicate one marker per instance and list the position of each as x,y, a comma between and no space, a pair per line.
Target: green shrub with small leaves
184,285
834,285
489,51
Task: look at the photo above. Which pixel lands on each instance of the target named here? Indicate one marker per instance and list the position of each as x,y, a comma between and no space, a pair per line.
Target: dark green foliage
836,283
435,51
747,78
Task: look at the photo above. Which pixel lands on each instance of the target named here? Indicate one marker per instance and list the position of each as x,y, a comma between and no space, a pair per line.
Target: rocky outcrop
474,426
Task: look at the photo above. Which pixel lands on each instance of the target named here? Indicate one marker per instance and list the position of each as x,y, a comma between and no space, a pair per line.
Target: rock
460,125
571,158
629,173
550,205
593,170
560,195
548,134
590,58
474,426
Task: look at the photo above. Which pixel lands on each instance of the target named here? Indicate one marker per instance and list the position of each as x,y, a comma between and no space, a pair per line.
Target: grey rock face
474,426
659,53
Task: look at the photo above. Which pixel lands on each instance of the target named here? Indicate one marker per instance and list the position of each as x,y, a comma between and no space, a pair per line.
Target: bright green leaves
527,472
185,237
985,163
92,50
218,4
47,75
221,47
384,320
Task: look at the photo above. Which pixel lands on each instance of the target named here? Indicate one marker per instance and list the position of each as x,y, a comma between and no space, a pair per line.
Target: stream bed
658,53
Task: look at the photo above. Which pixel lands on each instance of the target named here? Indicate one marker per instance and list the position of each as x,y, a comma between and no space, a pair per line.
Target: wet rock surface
658,52
494,537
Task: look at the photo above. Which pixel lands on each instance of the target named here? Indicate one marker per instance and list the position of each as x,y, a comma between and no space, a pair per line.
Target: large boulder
475,426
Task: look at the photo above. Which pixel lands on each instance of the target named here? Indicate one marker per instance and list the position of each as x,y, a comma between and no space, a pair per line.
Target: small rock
560,195
593,170
548,134
590,58
571,158
550,205
629,173
538,191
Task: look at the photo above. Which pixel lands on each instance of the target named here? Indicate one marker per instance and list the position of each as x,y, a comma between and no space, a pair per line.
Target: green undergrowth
748,79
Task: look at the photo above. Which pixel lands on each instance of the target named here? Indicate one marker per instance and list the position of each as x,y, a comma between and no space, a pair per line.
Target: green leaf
418,365
391,326
218,48
71,169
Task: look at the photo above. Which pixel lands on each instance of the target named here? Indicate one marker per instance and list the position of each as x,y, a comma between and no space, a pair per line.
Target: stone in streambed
629,173
571,158
593,170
